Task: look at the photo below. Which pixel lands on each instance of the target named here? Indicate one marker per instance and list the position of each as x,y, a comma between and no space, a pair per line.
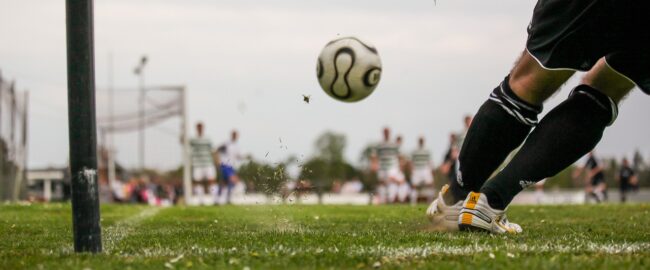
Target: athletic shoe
477,215
444,217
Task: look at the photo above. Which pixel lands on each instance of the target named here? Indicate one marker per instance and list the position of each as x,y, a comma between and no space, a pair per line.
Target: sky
246,65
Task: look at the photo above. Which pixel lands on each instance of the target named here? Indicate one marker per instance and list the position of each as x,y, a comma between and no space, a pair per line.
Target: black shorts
596,180
625,186
574,34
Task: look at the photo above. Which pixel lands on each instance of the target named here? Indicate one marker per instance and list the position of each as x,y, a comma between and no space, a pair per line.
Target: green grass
324,237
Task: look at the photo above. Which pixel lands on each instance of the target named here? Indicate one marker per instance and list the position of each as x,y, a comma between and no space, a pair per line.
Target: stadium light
81,124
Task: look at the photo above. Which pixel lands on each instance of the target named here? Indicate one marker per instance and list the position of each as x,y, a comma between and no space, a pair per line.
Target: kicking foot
477,215
444,217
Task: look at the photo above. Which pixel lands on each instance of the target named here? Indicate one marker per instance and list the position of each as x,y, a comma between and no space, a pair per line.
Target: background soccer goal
134,124
13,140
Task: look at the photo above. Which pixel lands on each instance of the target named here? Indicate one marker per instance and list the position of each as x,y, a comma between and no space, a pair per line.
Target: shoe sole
470,228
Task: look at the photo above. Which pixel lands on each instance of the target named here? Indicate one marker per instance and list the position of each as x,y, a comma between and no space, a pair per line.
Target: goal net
141,130
13,141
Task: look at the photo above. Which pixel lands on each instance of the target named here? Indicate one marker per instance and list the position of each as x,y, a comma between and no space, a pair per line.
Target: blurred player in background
204,173
386,156
230,159
422,176
626,178
402,189
448,167
595,186
608,40
460,136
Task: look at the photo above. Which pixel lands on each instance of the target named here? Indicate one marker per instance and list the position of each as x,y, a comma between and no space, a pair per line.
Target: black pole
81,123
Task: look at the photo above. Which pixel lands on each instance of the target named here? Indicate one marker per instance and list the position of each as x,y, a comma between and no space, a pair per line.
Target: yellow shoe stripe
466,219
473,199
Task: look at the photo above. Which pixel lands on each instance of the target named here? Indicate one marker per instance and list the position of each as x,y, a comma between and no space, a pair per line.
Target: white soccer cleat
477,215
444,217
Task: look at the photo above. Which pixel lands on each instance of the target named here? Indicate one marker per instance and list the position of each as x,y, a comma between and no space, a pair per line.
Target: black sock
566,133
501,125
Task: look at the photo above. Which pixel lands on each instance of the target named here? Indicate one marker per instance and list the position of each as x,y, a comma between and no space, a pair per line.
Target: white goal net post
135,112
14,121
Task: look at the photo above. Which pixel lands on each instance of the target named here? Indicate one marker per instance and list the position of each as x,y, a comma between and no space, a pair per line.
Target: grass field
331,237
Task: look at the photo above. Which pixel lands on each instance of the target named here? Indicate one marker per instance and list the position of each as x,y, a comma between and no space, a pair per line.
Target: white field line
123,228
406,252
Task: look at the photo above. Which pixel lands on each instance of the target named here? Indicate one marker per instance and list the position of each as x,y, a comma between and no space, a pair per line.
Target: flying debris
306,98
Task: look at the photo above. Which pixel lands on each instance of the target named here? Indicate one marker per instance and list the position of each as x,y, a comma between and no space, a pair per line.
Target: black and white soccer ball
348,69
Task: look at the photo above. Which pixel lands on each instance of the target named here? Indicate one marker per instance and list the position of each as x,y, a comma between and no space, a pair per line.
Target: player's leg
429,188
404,189
566,133
232,181
395,181
589,190
382,187
197,185
416,186
213,184
503,122
602,187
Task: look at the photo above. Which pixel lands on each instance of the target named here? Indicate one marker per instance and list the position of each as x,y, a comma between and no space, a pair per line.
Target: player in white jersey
204,173
422,176
388,172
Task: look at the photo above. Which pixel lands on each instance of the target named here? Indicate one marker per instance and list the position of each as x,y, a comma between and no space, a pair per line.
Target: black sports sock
568,132
501,124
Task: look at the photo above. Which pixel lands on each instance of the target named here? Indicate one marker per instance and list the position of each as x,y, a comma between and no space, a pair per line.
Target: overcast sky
246,65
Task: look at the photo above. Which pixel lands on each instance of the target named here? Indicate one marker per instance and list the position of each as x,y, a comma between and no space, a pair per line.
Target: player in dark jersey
606,38
626,178
448,167
595,186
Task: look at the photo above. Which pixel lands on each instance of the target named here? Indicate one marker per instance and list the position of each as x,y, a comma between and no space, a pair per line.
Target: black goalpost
81,124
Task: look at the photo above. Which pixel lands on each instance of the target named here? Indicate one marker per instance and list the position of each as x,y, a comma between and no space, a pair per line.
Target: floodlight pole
111,141
139,70
82,128
187,181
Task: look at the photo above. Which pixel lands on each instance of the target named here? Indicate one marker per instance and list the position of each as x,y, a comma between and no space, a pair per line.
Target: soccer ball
348,69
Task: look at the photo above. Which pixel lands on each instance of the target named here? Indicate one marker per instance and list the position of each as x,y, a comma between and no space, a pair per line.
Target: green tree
330,146
261,177
328,165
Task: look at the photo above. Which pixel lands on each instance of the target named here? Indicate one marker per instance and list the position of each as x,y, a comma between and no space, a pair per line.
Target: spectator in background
626,178
204,173
230,158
